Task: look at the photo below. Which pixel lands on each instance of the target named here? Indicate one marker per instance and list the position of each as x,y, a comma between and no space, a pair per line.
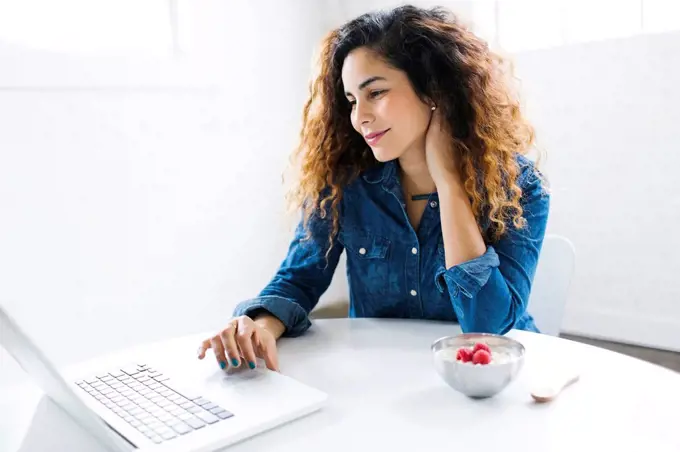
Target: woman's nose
364,114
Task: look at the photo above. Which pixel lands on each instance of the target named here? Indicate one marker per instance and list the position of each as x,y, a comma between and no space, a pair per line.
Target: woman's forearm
463,240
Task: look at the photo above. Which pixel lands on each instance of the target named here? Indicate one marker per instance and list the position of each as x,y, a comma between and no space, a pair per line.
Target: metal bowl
478,380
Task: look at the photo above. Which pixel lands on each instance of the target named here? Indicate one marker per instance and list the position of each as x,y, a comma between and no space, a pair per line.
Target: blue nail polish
251,364
223,364
234,362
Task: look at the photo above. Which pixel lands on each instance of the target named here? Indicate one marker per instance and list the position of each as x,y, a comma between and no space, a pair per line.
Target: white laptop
131,404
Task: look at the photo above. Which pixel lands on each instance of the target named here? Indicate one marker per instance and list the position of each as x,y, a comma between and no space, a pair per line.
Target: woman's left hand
439,153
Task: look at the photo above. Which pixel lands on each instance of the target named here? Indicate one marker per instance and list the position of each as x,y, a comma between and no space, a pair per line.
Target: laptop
152,403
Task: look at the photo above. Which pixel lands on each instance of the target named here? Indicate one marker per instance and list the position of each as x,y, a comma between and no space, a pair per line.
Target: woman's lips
373,138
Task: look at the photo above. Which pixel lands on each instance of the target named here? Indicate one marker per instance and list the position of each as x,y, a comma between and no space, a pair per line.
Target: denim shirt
398,272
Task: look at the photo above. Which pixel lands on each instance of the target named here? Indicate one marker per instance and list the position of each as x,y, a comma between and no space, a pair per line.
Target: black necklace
423,197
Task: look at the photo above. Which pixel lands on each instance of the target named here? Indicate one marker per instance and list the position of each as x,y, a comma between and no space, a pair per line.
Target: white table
385,394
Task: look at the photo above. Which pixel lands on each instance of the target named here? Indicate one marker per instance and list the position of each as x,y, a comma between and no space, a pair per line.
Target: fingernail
223,364
251,364
234,362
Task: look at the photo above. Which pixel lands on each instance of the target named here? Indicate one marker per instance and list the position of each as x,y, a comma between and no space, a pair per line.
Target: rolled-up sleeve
490,293
303,276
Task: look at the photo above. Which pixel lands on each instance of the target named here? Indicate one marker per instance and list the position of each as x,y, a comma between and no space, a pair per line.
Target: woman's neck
415,176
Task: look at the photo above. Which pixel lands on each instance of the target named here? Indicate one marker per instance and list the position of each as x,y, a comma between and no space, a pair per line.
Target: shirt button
414,250
362,251
414,293
433,204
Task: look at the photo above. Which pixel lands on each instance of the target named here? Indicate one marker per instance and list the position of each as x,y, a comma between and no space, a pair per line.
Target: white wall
607,113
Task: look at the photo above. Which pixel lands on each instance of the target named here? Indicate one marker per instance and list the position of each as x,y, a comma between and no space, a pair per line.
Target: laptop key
156,411
216,409
195,423
185,416
149,421
156,425
144,430
187,405
195,409
176,411
169,434
130,370
181,428
201,401
136,411
164,403
91,380
143,417
208,418
209,406
165,417
224,414
156,439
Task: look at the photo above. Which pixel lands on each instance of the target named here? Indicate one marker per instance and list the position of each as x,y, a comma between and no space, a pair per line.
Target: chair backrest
550,288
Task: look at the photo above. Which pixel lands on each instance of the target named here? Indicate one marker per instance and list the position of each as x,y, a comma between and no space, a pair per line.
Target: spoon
548,393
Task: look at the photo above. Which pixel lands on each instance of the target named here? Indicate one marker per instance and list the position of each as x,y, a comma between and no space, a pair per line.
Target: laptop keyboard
150,402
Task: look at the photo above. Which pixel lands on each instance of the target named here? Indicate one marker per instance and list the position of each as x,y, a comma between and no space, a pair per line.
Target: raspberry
481,346
481,357
464,354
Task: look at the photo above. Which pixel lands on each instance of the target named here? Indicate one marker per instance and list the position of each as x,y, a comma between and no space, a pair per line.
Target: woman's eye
377,93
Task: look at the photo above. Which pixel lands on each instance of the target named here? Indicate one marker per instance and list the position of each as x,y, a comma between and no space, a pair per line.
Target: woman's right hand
245,339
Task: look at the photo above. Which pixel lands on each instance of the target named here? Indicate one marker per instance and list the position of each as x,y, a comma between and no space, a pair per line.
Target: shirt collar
381,173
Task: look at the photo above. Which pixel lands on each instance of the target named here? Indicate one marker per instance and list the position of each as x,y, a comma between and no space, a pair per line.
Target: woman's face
385,109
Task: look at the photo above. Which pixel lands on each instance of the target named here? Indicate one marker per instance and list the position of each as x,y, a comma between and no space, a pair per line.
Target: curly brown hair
445,63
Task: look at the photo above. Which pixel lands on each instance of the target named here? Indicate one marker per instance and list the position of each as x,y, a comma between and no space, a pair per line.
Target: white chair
548,293
550,288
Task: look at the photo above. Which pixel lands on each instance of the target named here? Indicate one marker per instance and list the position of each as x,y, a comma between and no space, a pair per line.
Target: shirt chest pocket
365,246
368,263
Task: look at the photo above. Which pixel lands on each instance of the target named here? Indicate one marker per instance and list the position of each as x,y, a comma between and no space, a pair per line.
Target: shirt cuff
291,314
468,277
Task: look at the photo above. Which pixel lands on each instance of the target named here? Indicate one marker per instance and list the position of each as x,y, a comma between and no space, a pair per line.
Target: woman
412,162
